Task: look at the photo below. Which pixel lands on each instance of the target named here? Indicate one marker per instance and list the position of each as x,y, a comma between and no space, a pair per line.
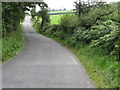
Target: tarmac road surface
43,63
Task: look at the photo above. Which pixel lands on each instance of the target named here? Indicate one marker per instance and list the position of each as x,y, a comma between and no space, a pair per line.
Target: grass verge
12,43
0,50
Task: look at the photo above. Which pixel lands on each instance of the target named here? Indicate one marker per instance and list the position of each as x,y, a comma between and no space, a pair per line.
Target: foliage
68,20
11,44
94,36
82,7
68,23
107,36
0,50
96,31
89,27
95,13
42,15
14,12
80,34
113,16
45,17
102,69
33,12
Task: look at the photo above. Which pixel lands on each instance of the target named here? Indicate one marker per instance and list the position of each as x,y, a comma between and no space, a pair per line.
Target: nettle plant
108,37
101,29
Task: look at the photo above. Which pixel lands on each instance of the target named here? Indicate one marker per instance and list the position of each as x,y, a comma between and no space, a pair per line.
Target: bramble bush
68,23
109,41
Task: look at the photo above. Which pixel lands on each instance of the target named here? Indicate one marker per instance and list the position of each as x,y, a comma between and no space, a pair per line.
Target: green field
67,11
55,19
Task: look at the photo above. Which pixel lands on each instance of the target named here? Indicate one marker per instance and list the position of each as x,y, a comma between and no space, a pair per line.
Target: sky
68,4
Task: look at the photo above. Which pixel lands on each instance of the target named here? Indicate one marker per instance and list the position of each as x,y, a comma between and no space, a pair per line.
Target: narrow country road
43,63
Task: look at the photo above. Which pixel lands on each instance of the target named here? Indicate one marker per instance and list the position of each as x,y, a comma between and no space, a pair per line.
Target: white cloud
60,4
68,4
37,8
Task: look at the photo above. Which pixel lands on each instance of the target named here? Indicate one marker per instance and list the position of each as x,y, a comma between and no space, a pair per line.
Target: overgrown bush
109,41
103,28
12,43
96,13
113,16
68,23
80,34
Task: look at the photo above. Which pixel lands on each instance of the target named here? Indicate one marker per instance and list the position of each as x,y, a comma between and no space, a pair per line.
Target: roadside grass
12,43
0,50
102,69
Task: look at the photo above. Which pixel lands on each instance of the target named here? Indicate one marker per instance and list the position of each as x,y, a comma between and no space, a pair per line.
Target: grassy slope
12,43
99,67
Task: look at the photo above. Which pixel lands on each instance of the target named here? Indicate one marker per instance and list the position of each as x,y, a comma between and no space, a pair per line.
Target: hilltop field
55,16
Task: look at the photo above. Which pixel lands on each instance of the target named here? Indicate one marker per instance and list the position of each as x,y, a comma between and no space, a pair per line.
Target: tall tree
14,12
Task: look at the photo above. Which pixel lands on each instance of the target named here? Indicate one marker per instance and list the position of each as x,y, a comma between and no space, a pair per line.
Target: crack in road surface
43,63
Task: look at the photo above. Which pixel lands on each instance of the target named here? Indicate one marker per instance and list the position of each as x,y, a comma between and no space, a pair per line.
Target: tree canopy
14,12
